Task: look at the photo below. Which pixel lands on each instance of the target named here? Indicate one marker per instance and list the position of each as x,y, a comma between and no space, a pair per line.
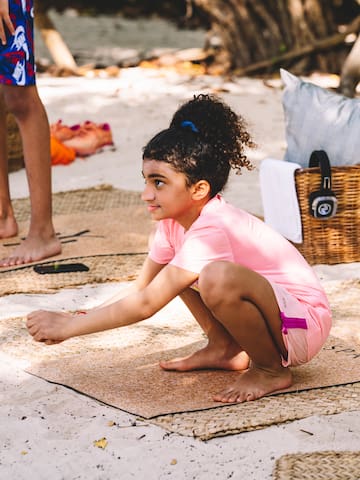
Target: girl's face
167,195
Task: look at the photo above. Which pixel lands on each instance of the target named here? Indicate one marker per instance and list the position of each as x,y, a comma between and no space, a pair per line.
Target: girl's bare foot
255,383
230,358
49,327
33,249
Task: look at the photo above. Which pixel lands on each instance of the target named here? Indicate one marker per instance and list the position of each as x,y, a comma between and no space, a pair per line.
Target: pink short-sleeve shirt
224,232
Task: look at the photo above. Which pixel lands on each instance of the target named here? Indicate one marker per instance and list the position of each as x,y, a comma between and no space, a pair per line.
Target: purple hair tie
187,123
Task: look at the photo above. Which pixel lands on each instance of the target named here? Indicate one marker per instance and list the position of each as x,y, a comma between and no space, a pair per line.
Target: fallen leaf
102,443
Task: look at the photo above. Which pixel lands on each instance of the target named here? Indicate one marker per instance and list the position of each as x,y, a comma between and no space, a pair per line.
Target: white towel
280,203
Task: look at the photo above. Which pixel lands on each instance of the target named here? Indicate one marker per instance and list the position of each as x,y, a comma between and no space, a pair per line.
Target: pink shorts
305,328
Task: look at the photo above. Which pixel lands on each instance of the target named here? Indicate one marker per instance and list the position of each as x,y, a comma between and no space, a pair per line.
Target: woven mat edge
67,259
236,430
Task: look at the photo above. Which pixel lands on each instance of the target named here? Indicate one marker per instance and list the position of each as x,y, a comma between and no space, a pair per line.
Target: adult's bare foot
231,358
255,383
33,249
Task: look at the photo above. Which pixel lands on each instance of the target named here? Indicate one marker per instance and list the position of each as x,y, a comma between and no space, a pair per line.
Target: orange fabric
60,153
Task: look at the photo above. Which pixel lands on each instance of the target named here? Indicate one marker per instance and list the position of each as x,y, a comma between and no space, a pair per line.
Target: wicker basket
337,239
14,144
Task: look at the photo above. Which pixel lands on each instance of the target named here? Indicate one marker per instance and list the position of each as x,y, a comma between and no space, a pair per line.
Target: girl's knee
214,282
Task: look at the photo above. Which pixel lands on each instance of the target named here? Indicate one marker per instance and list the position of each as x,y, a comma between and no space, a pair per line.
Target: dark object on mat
61,268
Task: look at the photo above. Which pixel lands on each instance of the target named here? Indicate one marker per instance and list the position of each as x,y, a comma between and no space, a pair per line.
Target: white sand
48,431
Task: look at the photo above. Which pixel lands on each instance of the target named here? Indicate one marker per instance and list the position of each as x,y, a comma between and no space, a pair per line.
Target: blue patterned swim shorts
17,64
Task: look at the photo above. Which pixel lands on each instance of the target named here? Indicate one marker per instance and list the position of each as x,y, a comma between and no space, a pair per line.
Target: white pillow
316,119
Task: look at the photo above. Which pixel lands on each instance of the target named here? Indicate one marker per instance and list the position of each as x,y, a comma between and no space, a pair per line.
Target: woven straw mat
327,465
124,255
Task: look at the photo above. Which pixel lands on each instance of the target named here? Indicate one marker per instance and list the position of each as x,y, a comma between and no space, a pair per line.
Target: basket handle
320,159
323,202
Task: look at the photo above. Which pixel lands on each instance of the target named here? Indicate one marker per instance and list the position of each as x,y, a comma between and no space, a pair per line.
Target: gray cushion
316,119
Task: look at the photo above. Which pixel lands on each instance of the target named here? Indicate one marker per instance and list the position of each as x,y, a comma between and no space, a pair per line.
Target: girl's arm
148,271
51,327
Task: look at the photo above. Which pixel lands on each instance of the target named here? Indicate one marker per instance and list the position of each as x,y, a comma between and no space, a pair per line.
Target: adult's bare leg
41,241
221,352
245,304
8,226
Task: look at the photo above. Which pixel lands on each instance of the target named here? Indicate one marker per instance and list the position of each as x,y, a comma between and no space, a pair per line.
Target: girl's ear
201,190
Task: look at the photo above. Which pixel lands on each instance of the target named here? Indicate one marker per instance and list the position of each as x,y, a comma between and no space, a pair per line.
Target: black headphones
323,203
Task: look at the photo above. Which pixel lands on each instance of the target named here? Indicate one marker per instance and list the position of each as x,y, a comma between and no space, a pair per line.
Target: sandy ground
48,431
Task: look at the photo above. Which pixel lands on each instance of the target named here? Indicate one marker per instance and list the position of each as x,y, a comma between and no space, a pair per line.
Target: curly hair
204,141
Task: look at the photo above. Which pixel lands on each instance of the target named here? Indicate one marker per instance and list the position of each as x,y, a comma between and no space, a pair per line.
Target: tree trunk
350,74
53,40
257,32
353,68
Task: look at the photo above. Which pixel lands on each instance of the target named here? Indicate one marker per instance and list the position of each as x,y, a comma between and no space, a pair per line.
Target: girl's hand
5,21
49,327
